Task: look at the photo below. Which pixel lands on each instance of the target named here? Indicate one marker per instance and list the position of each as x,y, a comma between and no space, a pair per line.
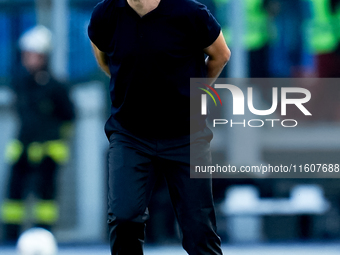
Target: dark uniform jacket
43,106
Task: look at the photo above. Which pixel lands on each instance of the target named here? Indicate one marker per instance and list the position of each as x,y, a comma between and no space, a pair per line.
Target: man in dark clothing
45,113
151,49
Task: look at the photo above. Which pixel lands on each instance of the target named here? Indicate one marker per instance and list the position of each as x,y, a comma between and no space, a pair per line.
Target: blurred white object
309,197
244,208
304,199
38,39
37,241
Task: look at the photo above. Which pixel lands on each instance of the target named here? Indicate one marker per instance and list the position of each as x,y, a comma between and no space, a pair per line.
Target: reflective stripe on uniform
337,21
14,151
257,25
46,212
58,151
35,152
13,212
321,28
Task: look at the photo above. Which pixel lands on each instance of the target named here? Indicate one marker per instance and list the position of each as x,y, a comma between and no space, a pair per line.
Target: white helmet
38,39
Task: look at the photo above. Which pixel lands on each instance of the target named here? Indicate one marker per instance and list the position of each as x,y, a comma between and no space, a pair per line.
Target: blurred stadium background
285,49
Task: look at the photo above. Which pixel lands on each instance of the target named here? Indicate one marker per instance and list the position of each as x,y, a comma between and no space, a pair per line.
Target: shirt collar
120,3
123,3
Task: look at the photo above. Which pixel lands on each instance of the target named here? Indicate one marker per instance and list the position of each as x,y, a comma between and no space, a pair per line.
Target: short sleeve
207,27
101,26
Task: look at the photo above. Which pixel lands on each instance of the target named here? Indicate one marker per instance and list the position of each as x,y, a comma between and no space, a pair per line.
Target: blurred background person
257,36
323,36
323,40
46,114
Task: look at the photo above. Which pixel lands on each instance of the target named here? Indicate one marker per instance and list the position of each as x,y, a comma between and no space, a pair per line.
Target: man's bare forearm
102,59
214,68
103,63
218,56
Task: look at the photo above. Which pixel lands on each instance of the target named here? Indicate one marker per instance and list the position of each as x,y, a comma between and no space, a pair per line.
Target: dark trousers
40,178
134,166
25,176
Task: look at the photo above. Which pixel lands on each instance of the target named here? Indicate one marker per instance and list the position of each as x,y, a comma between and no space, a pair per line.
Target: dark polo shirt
151,60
